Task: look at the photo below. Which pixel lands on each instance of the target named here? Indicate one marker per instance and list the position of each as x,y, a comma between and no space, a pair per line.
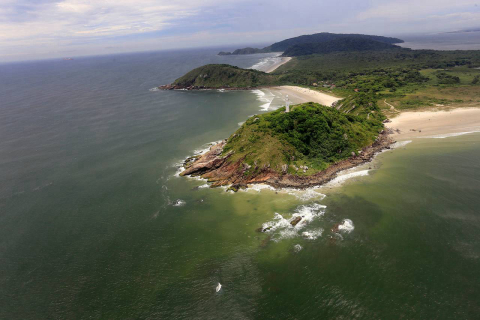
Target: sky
40,29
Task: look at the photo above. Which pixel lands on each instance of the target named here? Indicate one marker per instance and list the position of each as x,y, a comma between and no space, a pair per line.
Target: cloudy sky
37,29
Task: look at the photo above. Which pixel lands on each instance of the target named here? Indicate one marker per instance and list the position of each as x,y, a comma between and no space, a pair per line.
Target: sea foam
448,135
283,229
265,97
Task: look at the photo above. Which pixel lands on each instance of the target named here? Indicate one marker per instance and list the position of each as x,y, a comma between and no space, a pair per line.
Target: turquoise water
94,222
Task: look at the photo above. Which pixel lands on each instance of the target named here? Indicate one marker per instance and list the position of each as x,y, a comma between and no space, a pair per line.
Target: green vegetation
338,45
309,135
225,76
312,39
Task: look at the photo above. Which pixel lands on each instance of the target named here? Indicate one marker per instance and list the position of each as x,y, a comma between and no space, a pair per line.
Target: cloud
42,27
408,9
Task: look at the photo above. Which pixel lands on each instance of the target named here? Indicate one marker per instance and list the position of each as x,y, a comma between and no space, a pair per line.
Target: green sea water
95,223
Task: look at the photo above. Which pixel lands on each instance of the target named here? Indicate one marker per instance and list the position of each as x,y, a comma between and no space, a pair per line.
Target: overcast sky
31,29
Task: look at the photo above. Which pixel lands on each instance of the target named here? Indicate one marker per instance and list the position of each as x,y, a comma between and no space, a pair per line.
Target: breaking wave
346,226
283,228
265,97
448,135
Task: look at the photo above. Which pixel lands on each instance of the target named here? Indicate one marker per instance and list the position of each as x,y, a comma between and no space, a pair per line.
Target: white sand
301,95
435,123
283,60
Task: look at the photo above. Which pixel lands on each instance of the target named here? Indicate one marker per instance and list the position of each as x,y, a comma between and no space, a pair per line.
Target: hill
338,45
214,76
283,45
304,147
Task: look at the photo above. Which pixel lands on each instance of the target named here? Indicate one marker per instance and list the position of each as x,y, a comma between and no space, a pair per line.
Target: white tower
287,104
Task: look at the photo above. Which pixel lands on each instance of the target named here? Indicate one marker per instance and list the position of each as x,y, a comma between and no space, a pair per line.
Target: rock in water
218,288
295,221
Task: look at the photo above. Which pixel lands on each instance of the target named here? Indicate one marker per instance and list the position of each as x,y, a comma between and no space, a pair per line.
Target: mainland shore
282,61
435,122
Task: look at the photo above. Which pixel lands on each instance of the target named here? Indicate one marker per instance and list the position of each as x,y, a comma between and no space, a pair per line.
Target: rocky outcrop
220,172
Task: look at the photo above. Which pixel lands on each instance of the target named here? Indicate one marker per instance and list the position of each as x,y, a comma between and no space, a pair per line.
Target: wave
448,135
178,203
346,175
265,97
282,228
154,89
346,226
265,63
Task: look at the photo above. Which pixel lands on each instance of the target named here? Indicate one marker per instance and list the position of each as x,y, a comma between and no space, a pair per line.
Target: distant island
310,144
312,39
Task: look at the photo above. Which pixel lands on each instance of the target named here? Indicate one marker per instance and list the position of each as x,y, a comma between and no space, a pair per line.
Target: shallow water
95,223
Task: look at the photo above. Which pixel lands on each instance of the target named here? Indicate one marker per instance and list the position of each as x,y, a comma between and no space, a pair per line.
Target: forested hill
338,45
215,76
284,45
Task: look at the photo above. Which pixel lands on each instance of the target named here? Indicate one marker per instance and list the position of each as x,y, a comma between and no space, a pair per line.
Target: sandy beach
282,61
301,95
437,123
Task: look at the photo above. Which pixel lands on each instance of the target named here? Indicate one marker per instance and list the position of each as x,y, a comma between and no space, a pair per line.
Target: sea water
96,223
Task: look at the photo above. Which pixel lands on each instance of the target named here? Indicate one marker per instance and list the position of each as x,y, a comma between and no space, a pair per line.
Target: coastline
435,123
220,172
282,61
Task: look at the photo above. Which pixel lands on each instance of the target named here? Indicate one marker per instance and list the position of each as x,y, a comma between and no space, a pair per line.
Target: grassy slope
310,134
223,75
406,79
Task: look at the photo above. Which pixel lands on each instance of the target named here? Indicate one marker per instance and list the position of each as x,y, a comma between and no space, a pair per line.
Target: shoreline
219,172
275,66
435,123
302,95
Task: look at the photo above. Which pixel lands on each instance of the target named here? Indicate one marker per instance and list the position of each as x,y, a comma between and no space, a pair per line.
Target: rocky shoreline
216,168
190,88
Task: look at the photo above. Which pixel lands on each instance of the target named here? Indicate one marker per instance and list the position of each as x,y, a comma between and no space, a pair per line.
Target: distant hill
347,44
282,46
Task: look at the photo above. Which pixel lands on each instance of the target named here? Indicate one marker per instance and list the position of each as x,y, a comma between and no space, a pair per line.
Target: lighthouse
287,104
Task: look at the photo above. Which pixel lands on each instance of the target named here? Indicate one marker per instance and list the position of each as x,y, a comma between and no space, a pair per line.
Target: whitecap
284,226
179,203
312,235
297,248
346,226
154,89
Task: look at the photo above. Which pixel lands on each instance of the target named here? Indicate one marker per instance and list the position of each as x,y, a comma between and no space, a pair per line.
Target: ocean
95,222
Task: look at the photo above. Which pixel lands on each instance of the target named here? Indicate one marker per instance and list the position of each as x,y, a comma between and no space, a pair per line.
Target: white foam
400,144
266,62
197,152
259,187
203,186
284,229
312,235
179,203
265,97
448,135
297,248
154,89
346,226
346,175
306,194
